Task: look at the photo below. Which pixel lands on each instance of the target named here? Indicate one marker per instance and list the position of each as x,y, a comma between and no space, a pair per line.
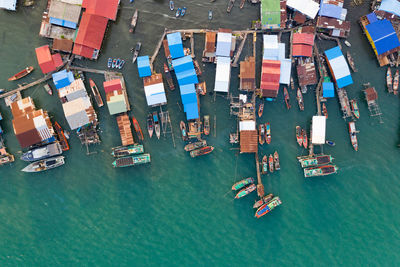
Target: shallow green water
178,210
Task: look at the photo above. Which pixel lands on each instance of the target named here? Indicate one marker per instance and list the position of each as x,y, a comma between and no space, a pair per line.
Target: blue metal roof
187,89
343,82
62,22
333,53
175,45
391,6
183,64
189,98
329,10
328,89
383,36
174,38
187,77
144,69
372,17
192,111
62,78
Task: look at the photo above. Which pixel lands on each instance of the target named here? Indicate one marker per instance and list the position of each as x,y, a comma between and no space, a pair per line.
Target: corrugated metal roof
210,42
222,74
248,141
45,59
187,89
318,130
270,41
143,64
112,85
64,45
62,78
8,4
116,104
307,7
91,30
391,6
286,69
270,76
175,45
183,64
301,50
187,77
83,51
372,17
247,125
155,94
189,98
303,38
338,66
125,131
224,44
282,51
332,11
192,111
328,89
383,36
105,8
65,12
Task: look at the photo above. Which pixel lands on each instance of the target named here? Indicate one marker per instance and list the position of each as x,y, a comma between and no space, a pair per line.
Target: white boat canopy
318,130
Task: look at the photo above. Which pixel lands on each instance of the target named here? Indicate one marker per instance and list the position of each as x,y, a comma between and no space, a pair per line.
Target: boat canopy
318,130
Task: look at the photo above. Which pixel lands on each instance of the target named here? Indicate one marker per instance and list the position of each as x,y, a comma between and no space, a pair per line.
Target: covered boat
138,130
43,152
157,127
195,145
184,133
353,135
315,160
354,108
320,171
206,124
261,134
305,138
168,76
136,51
44,164
300,100
299,137
264,199
260,109
150,124
389,80
122,151
96,93
47,88
277,164
131,160
242,183
268,133
287,97
267,207
201,151
271,163
21,74
246,191
264,169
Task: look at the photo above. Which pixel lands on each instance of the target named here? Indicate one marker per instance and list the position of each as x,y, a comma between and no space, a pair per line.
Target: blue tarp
175,45
328,89
62,78
383,36
372,17
183,64
391,6
144,69
62,22
329,10
192,111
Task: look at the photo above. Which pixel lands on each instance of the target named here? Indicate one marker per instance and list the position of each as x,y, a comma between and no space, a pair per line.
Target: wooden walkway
239,51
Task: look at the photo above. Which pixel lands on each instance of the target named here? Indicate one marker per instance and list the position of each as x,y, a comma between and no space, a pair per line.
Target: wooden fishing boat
157,127
131,160
264,162
353,135
109,62
44,164
122,151
136,52
182,125
324,110
351,61
261,134
168,76
271,163
96,93
291,82
330,143
396,82
313,161
183,11
21,74
305,138
171,5
354,108
245,191
242,183
201,151
61,136
230,5
138,130
195,145
268,133
201,88
260,109
150,125
242,4
347,43
197,67
389,80
320,171
264,199
287,97
210,14
267,207
47,88
178,12
277,164
206,124
132,26
299,136
300,100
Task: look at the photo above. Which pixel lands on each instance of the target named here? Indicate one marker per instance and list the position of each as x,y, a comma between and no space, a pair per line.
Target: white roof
8,4
247,125
225,37
281,51
76,85
243,98
339,67
286,69
222,74
270,41
307,7
155,94
76,106
318,130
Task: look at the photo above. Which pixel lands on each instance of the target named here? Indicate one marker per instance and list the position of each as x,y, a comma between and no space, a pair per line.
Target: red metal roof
270,75
303,38
57,60
91,31
83,51
105,8
112,85
301,50
45,59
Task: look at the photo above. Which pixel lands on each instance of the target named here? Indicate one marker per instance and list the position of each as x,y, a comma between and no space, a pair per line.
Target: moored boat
313,161
61,137
47,88
246,191
138,130
320,171
182,126
6,158
121,64
114,63
178,12
396,82
324,110
267,207
353,135
260,109
131,160
150,124
44,164
299,136
264,199
136,52
210,14
122,151
354,108
230,5
21,74
277,164
305,138
117,62
109,62
347,43
242,4
96,93
261,133
206,124
291,82
287,97
389,80
171,5
300,99
330,143
201,151
351,61
242,183
195,145
197,67
47,151
271,163
264,169
268,133
183,11
132,26
157,128
168,76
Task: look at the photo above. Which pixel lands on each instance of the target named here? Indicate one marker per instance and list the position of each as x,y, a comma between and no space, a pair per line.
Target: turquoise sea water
178,210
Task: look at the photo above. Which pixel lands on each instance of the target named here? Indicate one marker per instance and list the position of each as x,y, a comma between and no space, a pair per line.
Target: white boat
43,152
44,164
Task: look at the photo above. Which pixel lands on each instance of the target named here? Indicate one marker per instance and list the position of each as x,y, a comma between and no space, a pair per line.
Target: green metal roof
270,14
117,105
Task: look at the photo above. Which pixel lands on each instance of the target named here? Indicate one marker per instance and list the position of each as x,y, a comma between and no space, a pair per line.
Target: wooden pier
239,51
260,186
154,56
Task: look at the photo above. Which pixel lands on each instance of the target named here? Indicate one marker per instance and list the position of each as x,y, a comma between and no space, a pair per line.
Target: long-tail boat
21,74
150,124
305,138
300,99
122,151
136,51
137,128
96,93
132,160
157,127
242,183
132,26
61,137
195,145
351,61
201,151
261,134
389,80
268,133
314,161
260,109
242,4
168,76
230,5
299,136
264,168
47,88
396,82
354,108
206,124
320,171
287,97
291,82
264,199
353,135
324,110
271,163
277,165
267,207
184,133
246,191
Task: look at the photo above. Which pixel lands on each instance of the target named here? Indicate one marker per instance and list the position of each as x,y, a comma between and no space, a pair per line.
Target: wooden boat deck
124,126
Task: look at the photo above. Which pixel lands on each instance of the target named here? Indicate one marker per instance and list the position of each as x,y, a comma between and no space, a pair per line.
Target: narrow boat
122,151
168,76
264,199
260,109
396,82
61,137
271,163
178,12
2,91
96,93
171,5
47,88
261,133
206,124
201,151
121,64
117,63
314,161
389,80
157,128
277,164
109,62
21,74
347,43
136,52
201,88
291,82
182,126
132,26
299,137
44,164
230,5
287,97
197,67
268,133
305,139
242,183
47,151
354,108
245,191
320,171
114,63
324,110
150,124
242,4
267,207
210,14
183,12
6,158
195,145
330,143
138,130
351,61
264,169
300,99
131,161
353,135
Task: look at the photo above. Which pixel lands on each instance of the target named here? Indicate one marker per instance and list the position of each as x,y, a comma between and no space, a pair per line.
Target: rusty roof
248,141
124,126
166,48
371,94
210,42
247,74
306,74
331,23
153,79
64,45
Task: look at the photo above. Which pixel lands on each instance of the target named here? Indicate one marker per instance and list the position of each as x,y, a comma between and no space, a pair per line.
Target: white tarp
307,7
318,130
222,74
247,125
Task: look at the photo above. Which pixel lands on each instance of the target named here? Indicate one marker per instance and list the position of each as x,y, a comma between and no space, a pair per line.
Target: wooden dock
154,56
103,72
239,51
260,186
